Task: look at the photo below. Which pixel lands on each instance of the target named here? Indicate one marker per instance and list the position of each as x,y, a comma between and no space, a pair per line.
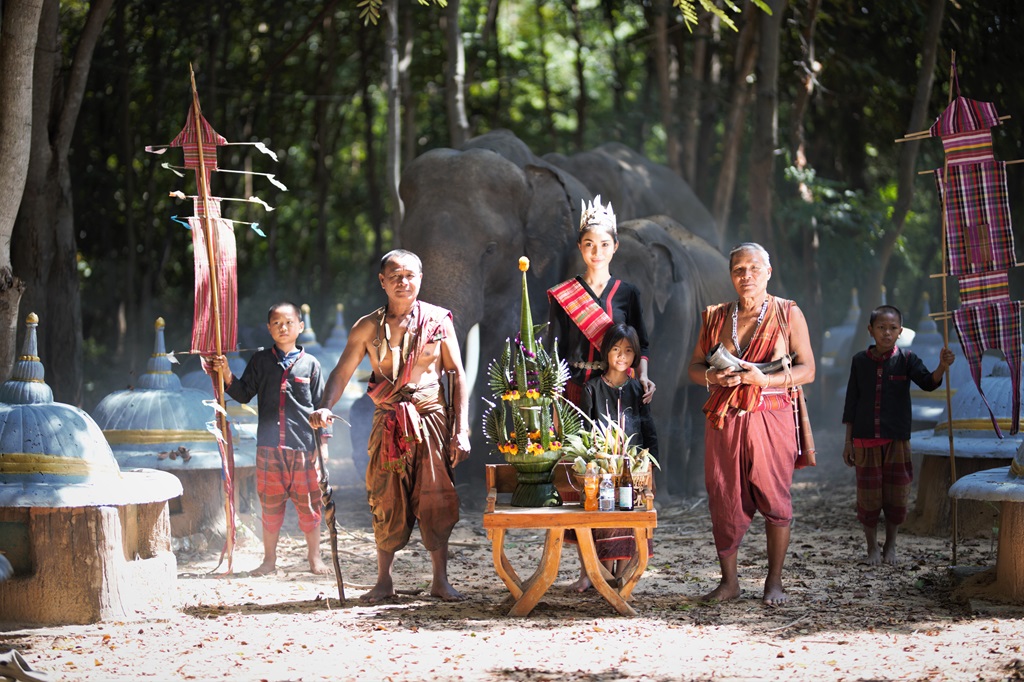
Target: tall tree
905,178
765,134
666,82
18,32
455,77
44,244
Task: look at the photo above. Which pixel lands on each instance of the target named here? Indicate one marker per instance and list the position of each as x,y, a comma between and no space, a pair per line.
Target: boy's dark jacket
893,413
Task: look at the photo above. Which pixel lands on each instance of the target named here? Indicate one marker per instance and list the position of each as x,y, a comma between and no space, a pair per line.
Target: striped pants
884,474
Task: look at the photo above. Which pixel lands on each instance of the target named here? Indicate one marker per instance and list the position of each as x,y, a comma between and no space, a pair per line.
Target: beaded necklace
735,322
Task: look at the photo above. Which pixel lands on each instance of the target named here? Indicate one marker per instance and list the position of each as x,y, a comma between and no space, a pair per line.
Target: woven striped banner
963,115
970,147
592,320
992,326
979,234
203,333
188,141
990,287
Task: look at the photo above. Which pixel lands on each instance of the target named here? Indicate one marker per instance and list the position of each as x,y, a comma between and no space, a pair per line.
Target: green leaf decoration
499,380
494,422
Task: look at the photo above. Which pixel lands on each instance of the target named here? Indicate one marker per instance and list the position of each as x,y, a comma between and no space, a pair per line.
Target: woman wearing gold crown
582,309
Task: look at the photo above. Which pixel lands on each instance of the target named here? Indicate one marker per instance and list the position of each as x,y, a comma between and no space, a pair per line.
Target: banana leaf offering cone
527,384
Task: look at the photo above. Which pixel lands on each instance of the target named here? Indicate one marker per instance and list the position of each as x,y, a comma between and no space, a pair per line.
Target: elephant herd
470,213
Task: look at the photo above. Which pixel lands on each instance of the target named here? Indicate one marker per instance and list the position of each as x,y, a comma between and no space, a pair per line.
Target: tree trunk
323,146
581,77
906,178
809,240
458,122
691,96
545,82
407,96
44,238
394,117
746,56
20,28
765,134
376,210
662,63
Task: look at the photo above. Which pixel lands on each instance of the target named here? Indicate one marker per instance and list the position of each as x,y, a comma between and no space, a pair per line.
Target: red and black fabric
994,326
204,322
979,232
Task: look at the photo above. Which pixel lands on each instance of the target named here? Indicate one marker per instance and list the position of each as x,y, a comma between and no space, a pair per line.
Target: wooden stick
210,234
925,134
945,322
1008,163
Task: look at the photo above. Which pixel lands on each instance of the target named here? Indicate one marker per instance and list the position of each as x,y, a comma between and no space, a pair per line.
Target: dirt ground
845,620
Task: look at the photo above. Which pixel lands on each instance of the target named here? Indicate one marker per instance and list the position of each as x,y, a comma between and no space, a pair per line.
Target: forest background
784,124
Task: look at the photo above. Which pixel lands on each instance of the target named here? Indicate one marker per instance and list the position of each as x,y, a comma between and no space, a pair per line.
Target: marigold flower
534,449
555,445
510,395
533,393
524,264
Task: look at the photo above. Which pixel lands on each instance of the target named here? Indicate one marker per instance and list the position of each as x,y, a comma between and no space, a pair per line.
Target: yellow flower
510,395
534,449
534,435
533,393
555,445
524,264
513,449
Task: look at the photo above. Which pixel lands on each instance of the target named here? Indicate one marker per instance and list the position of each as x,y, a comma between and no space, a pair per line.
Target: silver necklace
735,323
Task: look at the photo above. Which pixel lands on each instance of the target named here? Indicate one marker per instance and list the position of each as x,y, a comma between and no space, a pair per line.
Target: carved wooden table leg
502,566
631,578
545,575
593,568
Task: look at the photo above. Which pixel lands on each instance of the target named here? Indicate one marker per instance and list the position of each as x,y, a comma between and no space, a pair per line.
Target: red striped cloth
963,115
970,147
593,321
203,332
188,140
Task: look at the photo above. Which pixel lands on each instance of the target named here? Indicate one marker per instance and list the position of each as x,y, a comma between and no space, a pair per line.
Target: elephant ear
548,219
664,258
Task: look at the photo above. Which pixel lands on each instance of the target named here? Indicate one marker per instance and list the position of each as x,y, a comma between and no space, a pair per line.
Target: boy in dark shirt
877,417
289,384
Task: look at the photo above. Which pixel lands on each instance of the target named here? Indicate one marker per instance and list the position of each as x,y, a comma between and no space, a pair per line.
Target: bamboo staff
210,236
945,320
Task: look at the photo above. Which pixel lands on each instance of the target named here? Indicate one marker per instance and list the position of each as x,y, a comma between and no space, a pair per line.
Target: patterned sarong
282,475
884,475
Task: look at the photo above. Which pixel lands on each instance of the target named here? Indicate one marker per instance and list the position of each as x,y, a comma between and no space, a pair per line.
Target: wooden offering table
498,518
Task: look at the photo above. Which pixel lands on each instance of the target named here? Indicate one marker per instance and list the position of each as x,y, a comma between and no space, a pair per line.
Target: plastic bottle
606,499
625,491
590,488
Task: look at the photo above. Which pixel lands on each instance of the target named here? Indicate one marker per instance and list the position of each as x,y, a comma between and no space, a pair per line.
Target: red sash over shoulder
402,423
724,401
591,319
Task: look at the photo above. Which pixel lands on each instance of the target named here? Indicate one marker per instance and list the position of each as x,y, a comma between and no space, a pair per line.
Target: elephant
638,187
471,213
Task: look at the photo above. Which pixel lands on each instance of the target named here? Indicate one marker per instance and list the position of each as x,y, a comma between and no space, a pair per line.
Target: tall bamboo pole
210,236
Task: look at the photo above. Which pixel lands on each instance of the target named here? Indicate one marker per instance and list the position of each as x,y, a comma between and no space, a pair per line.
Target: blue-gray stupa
88,541
162,425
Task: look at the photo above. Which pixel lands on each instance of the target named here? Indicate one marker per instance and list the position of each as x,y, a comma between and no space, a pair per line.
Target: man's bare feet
382,591
774,594
582,583
445,592
726,591
268,567
874,556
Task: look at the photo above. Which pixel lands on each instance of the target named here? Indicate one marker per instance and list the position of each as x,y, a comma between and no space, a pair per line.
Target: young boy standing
289,384
877,417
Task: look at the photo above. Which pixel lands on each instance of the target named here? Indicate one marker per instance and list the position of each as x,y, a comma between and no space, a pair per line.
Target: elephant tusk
472,360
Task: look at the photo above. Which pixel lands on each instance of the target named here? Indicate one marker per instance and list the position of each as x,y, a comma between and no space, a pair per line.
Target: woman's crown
597,216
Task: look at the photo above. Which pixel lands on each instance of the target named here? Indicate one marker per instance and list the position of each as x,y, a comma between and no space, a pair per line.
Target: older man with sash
750,435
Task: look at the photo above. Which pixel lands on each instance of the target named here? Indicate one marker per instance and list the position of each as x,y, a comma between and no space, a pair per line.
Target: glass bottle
625,491
606,499
590,488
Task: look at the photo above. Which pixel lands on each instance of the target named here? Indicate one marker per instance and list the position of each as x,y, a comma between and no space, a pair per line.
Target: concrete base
931,512
85,564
